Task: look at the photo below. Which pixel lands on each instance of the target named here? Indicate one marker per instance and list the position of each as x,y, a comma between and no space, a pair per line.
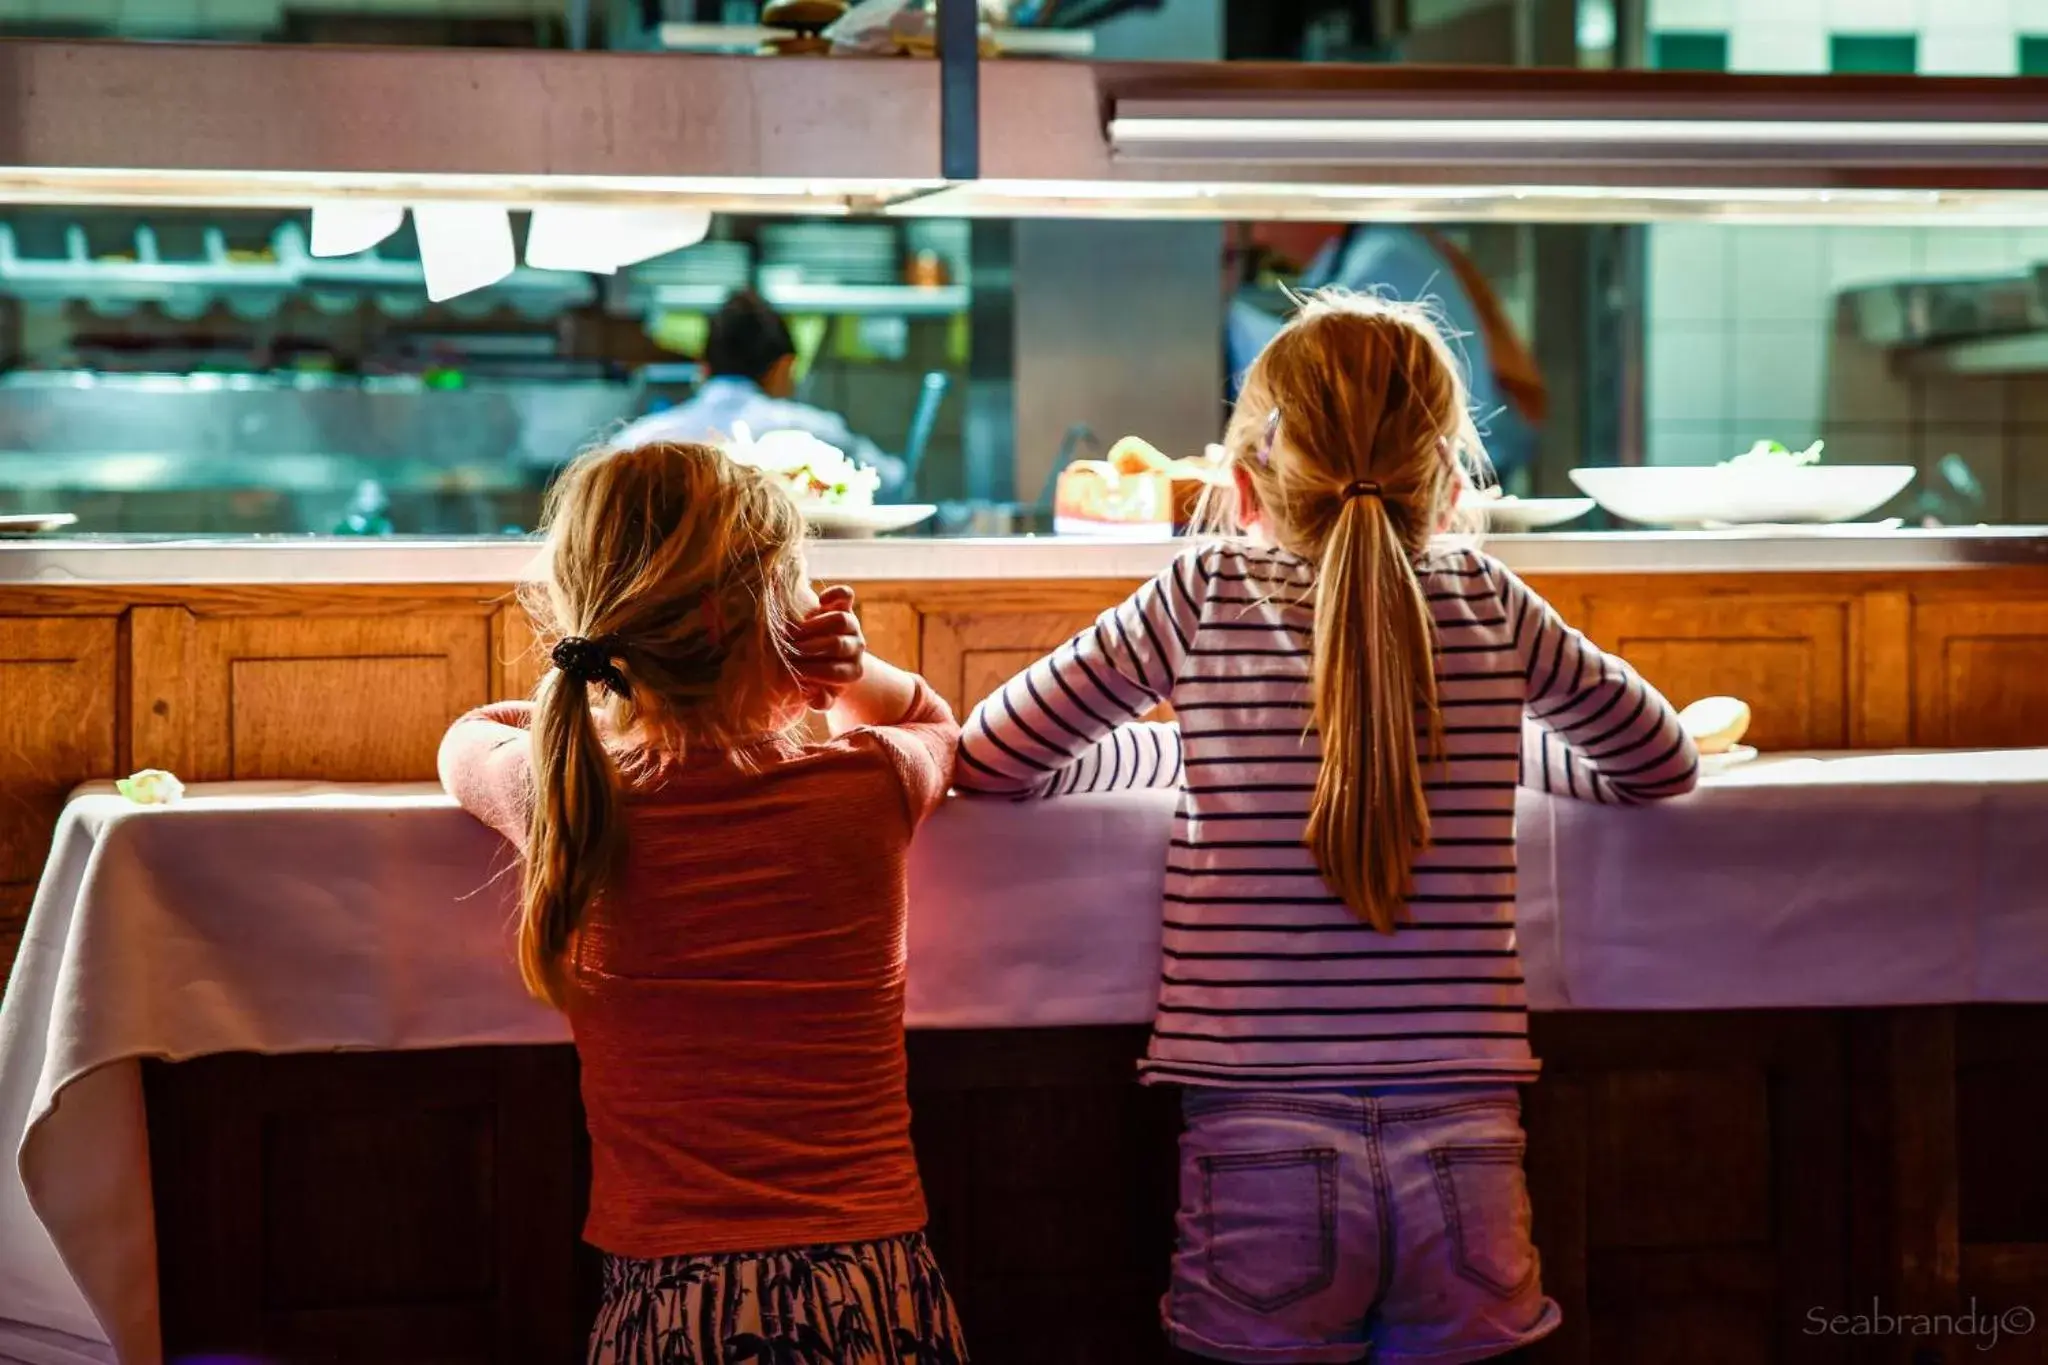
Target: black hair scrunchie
590,661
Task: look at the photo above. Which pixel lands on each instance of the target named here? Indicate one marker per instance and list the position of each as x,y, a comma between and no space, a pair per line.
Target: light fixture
1296,134
1627,132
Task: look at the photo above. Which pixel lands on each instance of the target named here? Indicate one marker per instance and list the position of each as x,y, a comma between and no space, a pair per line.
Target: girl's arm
913,724
883,694
486,763
858,691
1143,754
1595,730
1054,728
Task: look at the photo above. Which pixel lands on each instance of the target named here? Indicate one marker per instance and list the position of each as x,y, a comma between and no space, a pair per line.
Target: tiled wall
1743,337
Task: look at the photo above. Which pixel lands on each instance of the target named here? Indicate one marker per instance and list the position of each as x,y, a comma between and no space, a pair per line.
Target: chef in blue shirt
750,378
1417,265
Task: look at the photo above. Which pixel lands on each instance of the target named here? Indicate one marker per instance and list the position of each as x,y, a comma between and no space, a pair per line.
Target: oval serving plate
857,523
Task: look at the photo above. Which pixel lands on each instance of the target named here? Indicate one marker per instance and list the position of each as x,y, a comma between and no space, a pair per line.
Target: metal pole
959,89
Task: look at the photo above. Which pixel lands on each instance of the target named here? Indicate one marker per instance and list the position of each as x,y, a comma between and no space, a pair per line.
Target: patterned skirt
864,1303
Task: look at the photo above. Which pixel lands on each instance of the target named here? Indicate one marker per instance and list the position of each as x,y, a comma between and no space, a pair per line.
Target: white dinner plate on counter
1690,496
859,523
1533,514
35,523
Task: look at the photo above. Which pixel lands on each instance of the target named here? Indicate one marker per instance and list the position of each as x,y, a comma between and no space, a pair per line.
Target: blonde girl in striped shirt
1356,697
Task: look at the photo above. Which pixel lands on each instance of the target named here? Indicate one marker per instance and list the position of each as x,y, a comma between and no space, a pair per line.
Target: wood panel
1787,657
893,632
1690,1175
967,655
1980,673
1690,1190
396,1207
57,729
2001,1101
348,700
516,658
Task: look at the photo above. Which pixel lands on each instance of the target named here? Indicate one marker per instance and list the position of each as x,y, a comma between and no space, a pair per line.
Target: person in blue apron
750,378
1416,265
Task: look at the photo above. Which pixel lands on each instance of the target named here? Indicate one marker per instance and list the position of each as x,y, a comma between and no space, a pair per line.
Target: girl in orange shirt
717,904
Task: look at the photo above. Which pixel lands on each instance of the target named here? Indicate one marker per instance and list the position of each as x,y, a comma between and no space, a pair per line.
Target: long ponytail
574,835
1352,438
684,569
1375,683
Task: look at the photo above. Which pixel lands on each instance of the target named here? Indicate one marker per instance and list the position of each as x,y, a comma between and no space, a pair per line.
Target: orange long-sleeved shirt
737,997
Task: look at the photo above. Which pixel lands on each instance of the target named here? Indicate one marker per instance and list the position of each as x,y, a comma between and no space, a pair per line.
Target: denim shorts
1320,1225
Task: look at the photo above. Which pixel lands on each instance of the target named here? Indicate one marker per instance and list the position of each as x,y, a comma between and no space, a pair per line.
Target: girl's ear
1248,511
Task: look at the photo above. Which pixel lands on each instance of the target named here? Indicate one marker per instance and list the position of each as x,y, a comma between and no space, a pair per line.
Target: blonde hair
1351,428
674,573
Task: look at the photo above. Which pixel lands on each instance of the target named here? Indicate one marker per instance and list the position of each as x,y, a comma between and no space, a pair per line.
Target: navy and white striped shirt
1269,980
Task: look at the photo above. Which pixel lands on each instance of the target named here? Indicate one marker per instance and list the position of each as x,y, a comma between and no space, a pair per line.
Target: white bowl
1730,495
1530,514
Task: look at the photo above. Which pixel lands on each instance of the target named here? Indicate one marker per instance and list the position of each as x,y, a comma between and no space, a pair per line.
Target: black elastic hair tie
590,661
1362,488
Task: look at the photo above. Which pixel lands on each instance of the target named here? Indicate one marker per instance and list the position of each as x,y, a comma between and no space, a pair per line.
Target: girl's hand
830,653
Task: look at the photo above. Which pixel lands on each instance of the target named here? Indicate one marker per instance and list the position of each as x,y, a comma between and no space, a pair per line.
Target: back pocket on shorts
1485,1198
1271,1220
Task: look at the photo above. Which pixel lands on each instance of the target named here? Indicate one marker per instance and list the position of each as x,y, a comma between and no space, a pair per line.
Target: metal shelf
894,300
190,286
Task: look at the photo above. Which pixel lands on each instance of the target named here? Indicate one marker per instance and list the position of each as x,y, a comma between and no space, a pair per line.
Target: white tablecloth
291,918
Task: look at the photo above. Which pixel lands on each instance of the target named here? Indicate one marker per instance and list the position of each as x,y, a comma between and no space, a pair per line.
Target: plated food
835,493
1716,724
1775,457
812,470
1137,490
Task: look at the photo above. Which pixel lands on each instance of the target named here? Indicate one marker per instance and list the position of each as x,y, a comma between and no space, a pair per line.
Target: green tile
1874,54
2033,55
1699,51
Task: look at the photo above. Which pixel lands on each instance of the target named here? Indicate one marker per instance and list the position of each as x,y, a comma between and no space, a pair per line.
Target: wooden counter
357,682
1702,1182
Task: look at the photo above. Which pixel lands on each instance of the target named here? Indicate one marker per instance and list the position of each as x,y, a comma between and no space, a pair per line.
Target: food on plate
1136,485
815,472
1135,455
1716,724
151,787
1769,455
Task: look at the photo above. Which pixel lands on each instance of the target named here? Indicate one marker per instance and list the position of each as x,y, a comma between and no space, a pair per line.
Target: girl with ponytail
1357,695
716,901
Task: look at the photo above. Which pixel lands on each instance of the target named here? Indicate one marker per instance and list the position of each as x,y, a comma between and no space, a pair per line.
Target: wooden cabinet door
969,654
1787,657
342,698
57,729
1980,673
